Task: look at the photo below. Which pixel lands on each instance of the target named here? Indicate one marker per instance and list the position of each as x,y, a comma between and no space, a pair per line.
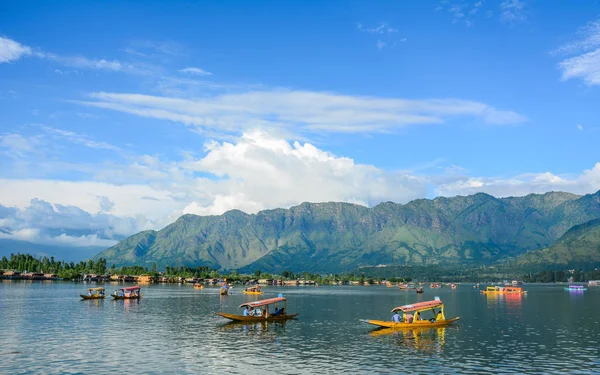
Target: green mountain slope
330,237
579,246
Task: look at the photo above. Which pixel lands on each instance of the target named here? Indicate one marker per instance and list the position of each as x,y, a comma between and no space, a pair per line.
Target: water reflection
426,340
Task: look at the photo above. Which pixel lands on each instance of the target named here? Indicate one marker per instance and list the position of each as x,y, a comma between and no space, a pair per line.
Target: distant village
160,278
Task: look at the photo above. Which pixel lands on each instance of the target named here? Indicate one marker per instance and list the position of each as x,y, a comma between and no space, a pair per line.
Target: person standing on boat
396,317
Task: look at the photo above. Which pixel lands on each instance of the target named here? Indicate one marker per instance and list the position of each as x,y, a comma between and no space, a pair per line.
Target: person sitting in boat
251,312
396,317
409,318
258,312
246,311
439,316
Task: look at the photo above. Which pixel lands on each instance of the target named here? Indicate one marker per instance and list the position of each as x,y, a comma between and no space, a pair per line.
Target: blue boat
576,288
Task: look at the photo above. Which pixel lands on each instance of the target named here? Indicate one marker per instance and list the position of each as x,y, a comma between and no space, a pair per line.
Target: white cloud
78,138
196,71
580,127
301,110
12,51
381,28
16,145
381,44
584,183
513,11
261,171
584,62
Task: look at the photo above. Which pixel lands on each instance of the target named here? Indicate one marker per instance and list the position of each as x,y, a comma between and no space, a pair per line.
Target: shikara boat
94,293
224,290
420,289
503,290
198,286
258,315
410,321
132,292
576,288
253,290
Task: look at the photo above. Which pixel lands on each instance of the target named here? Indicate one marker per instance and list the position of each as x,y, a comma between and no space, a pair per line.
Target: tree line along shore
27,266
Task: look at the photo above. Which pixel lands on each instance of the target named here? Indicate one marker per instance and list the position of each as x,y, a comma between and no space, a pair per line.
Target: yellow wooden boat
253,313
198,286
132,292
94,293
416,321
224,291
255,290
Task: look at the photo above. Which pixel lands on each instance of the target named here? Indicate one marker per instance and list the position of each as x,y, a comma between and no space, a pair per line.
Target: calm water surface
47,329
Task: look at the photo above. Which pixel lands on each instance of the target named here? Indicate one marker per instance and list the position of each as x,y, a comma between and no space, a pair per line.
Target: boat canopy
90,289
419,306
131,288
264,302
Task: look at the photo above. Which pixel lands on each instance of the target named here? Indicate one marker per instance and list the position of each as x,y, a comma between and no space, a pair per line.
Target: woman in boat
439,316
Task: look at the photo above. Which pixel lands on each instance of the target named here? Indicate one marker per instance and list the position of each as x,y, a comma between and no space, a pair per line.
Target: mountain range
333,237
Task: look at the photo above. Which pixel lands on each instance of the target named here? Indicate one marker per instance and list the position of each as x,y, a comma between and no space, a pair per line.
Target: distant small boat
253,290
420,289
257,313
132,292
453,286
94,293
224,291
435,286
576,288
198,286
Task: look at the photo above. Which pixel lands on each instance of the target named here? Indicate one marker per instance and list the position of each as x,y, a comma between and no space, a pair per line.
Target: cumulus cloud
12,51
45,223
260,172
301,110
584,52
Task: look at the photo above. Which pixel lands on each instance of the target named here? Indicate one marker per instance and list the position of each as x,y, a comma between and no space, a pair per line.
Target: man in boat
396,317
246,311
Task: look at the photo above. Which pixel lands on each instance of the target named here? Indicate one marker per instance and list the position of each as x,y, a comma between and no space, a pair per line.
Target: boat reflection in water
427,340
271,331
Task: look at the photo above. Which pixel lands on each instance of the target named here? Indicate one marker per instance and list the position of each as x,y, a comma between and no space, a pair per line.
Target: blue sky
127,114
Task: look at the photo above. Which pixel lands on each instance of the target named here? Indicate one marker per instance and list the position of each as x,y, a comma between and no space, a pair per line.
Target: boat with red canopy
408,320
254,313
132,292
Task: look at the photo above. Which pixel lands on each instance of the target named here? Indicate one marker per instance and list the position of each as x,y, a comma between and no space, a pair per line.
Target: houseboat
421,310
254,313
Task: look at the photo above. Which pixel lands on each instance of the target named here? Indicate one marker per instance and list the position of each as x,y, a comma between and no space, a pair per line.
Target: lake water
47,329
